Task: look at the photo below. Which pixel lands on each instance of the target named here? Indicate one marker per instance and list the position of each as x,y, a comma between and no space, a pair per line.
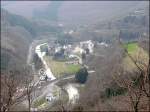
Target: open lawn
59,68
131,47
137,53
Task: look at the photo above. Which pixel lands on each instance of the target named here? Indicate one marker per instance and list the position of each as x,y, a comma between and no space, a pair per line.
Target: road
72,91
47,69
49,87
32,48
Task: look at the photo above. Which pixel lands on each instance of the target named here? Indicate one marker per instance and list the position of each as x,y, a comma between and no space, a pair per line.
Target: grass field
137,53
59,68
131,47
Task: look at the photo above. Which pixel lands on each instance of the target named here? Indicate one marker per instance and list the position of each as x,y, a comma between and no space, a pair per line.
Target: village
60,62
63,60
66,59
69,55
75,56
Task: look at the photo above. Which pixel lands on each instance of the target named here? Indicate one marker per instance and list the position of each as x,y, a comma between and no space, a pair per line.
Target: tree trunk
29,103
136,108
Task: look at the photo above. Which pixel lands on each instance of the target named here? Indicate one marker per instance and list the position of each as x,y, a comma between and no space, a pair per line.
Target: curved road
41,54
72,91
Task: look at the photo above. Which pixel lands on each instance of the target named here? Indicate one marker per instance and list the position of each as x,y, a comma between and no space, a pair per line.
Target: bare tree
124,80
61,106
15,85
29,89
143,69
9,84
30,86
140,85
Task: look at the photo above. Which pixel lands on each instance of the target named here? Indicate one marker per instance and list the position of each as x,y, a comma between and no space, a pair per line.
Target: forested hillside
75,56
129,27
17,34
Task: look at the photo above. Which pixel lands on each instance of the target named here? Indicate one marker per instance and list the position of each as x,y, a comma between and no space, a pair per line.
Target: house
68,49
57,49
71,31
75,62
87,44
51,51
103,44
50,97
72,56
42,78
78,49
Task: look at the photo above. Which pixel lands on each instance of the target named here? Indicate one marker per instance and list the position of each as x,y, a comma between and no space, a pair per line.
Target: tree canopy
81,75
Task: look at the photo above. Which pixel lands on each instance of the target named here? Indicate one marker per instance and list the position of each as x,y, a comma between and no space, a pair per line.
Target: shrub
81,75
114,91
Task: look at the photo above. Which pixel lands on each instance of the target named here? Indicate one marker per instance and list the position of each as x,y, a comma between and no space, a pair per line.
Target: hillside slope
17,32
15,39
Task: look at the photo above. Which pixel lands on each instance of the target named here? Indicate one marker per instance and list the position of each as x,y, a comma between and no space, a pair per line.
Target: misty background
72,12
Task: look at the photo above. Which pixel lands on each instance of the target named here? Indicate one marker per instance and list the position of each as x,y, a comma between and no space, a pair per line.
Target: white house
103,44
57,49
50,97
71,31
89,44
78,49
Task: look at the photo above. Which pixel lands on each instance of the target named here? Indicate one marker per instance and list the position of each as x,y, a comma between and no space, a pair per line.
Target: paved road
50,85
32,48
47,69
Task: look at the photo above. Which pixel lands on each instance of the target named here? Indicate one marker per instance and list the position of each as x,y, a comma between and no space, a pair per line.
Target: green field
59,68
131,47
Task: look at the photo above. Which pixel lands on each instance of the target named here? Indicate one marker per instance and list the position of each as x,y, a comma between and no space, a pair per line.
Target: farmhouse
50,97
87,44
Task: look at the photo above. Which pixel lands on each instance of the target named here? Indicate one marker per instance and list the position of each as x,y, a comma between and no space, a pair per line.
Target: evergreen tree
81,75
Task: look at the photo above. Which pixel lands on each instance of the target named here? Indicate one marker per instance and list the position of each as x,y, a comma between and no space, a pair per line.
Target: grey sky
24,8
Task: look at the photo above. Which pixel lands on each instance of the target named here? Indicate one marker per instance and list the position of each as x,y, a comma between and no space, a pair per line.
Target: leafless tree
143,69
141,78
9,84
134,92
30,86
61,106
